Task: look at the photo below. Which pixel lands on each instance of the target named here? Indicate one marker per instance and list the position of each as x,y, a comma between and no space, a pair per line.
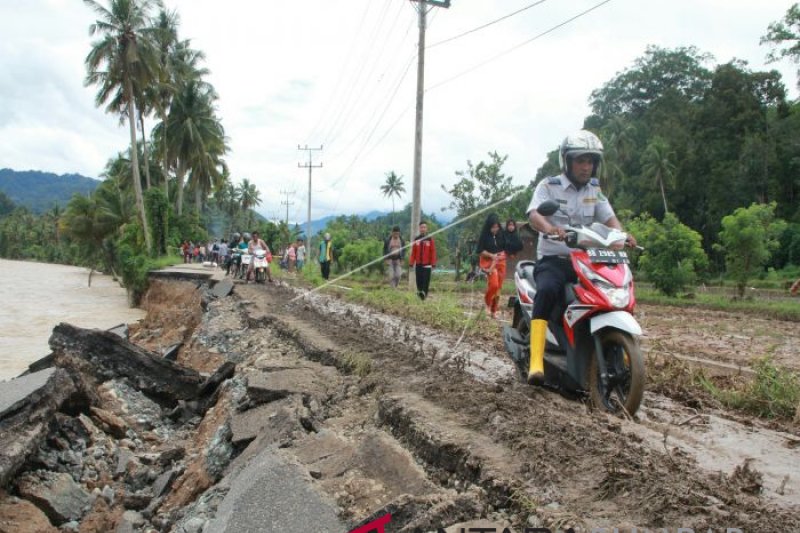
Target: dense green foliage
40,191
748,238
697,140
673,253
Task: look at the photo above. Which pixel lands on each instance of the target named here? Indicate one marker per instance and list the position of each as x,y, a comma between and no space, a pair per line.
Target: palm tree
192,132
249,197
166,37
84,222
618,136
393,187
658,166
123,55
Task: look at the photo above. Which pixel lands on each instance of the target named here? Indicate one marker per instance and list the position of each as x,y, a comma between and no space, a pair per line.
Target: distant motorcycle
244,268
592,342
260,265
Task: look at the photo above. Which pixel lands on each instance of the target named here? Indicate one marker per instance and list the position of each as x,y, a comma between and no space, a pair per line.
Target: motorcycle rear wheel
625,365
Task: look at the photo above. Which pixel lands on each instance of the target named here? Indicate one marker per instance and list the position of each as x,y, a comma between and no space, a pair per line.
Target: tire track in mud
477,444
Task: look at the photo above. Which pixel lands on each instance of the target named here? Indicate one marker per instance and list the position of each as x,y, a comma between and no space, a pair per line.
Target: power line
398,84
473,30
373,103
348,58
358,102
357,78
520,45
448,80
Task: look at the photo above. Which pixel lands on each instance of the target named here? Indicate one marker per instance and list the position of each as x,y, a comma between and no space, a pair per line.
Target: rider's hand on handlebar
557,233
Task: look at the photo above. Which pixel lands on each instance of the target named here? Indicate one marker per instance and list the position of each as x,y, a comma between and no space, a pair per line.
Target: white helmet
580,143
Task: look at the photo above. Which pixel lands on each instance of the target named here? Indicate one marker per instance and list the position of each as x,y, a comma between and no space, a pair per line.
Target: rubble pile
113,437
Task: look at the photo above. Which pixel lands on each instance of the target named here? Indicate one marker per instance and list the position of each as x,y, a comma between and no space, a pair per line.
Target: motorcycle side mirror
547,208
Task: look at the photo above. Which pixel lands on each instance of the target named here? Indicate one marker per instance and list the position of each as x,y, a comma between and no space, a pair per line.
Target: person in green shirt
326,256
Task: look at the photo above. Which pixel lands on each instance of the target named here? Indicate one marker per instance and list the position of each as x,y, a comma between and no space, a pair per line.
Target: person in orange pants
492,260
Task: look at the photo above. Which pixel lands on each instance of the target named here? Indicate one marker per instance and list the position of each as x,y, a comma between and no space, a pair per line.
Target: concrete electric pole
422,10
287,203
309,166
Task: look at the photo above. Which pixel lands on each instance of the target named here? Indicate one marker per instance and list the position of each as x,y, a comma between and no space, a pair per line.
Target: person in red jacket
423,259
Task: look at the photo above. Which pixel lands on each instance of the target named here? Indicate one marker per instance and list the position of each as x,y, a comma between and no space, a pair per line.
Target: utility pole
309,166
287,203
422,10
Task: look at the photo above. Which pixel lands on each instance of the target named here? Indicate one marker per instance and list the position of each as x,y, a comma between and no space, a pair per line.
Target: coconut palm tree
192,132
249,197
619,139
123,55
658,166
393,187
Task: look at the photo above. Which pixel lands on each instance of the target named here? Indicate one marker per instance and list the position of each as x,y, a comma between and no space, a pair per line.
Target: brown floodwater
37,296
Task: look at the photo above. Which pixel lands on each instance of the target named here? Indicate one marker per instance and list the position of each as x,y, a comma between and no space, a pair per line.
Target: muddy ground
735,338
386,416
403,419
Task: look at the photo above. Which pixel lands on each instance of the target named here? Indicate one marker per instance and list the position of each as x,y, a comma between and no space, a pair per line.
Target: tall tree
249,196
393,187
658,165
123,53
480,185
192,131
783,37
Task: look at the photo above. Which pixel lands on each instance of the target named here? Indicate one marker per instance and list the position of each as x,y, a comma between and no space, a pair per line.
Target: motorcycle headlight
619,297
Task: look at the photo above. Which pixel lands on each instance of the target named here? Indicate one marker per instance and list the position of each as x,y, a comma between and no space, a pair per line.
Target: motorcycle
592,345
234,263
260,265
244,267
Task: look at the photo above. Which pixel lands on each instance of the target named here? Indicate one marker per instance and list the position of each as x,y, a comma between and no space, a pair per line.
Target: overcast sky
342,74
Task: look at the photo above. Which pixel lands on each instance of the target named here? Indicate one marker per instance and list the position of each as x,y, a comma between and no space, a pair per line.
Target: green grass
446,308
774,309
774,392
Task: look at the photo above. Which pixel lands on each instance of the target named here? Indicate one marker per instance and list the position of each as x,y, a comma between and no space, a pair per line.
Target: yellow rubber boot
536,368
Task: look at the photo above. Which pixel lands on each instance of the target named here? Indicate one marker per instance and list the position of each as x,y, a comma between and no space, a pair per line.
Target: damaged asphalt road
337,415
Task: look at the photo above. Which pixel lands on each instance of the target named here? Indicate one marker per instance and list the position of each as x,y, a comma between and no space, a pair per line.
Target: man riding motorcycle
577,190
257,243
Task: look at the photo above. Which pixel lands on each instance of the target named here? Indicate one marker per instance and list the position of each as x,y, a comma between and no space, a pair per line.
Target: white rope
387,256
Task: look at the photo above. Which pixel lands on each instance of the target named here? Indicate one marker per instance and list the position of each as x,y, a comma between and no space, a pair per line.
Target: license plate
601,255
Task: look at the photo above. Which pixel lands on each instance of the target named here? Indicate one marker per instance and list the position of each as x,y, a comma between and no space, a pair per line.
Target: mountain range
40,191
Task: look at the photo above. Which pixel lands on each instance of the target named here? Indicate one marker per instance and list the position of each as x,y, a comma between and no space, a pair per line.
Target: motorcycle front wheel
626,374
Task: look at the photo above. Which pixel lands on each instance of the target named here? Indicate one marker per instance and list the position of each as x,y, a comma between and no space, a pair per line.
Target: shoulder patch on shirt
601,197
554,181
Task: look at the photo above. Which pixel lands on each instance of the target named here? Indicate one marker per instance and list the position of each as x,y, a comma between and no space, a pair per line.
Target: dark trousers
423,280
326,269
551,273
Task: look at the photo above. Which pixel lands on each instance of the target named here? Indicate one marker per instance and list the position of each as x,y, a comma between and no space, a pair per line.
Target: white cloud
321,71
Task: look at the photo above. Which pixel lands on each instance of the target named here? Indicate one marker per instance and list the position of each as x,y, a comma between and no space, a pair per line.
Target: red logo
375,525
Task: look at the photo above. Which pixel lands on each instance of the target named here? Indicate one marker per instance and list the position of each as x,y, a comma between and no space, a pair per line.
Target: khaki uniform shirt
582,206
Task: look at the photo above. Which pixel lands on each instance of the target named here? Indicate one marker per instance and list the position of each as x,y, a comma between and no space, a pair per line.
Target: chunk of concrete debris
110,422
28,404
222,288
56,494
105,356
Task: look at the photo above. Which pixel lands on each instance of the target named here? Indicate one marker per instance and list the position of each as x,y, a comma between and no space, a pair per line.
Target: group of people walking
495,246
422,258
200,252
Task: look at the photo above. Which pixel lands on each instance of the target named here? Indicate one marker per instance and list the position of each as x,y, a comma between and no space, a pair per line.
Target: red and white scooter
592,342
